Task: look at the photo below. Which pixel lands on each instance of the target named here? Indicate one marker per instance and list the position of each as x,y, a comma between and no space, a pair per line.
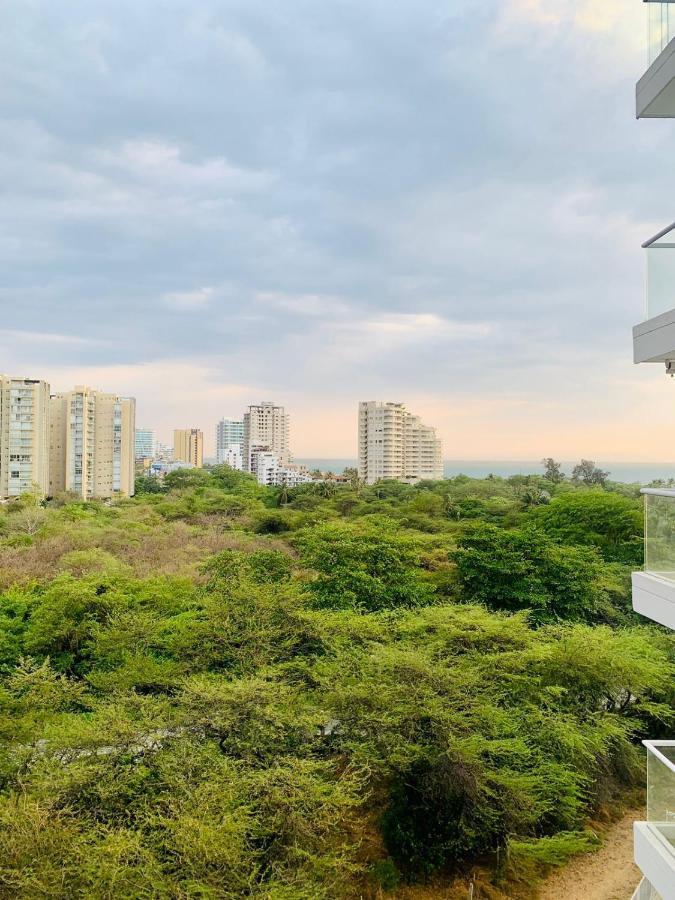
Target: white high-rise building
229,433
394,444
266,425
423,451
24,436
231,456
267,468
92,443
654,588
264,465
146,443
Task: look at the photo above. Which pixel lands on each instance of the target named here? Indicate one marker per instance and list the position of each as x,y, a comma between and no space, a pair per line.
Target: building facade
229,434
146,443
394,444
92,444
269,471
422,451
265,466
654,587
231,456
266,425
24,436
188,446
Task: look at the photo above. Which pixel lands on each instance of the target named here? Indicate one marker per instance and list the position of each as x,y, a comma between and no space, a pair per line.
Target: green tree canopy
611,522
367,568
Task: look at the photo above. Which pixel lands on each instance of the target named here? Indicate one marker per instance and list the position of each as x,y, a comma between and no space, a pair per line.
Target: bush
523,569
368,569
609,521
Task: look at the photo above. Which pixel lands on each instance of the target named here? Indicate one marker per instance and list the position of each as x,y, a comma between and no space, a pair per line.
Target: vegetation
219,690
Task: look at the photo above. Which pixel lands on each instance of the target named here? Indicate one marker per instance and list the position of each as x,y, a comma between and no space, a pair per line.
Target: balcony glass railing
661,270
661,29
645,891
661,791
660,532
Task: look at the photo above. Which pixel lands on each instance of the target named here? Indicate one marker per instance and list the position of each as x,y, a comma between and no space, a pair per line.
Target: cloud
153,162
303,304
187,301
596,16
320,203
394,331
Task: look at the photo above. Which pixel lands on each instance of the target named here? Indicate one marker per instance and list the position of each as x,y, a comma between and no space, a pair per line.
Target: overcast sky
206,203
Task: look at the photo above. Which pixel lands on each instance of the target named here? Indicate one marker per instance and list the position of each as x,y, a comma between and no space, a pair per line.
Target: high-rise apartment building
266,426
269,471
24,436
188,446
229,434
422,451
146,443
395,444
231,456
265,466
92,443
654,588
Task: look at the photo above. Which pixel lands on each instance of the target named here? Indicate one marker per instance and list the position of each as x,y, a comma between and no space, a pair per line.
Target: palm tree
352,475
326,489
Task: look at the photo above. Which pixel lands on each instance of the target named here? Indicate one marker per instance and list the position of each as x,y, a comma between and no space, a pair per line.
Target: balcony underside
654,340
654,598
655,859
655,91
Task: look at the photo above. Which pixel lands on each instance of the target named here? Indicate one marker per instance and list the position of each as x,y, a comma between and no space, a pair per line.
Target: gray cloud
340,198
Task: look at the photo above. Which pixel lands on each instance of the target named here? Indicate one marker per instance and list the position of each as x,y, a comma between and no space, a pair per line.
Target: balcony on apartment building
654,338
655,838
655,91
654,588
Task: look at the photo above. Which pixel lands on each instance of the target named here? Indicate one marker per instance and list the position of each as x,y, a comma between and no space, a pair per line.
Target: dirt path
609,874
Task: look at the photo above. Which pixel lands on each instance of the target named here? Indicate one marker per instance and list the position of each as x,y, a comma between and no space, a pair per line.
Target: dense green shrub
524,569
368,569
221,691
609,521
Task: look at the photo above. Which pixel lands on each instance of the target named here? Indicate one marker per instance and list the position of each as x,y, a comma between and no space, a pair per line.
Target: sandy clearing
608,874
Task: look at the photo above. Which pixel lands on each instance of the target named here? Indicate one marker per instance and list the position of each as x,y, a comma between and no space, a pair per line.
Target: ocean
628,472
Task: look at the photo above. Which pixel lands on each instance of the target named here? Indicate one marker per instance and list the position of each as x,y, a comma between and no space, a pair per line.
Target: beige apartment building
24,436
395,444
92,437
266,429
188,446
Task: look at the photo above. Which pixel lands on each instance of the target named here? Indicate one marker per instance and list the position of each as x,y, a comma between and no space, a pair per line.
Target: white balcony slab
654,339
655,91
654,598
654,859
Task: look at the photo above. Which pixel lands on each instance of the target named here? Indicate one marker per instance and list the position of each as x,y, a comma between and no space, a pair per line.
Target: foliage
204,693
523,569
369,570
608,521
553,470
586,472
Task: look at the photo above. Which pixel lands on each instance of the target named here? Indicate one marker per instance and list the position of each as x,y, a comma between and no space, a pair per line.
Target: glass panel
661,26
660,535
661,790
646,892
660,279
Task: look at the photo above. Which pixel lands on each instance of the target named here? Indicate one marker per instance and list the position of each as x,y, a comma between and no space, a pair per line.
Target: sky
207,203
